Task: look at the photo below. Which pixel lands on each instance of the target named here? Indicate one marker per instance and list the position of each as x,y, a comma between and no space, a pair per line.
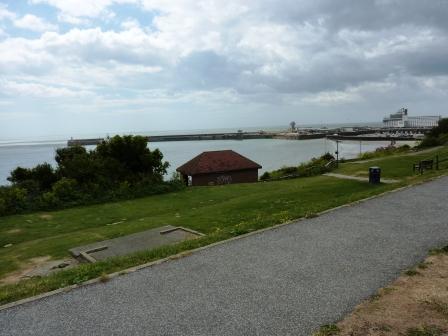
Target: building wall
425,121
405,121
240,176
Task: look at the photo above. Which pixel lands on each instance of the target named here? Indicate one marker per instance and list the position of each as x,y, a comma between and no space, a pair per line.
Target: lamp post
337,152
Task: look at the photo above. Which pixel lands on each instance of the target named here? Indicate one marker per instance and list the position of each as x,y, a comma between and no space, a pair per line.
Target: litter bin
374,175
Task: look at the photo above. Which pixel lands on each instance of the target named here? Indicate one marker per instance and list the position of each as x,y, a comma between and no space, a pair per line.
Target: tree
441,128
43,176
129,158
78,164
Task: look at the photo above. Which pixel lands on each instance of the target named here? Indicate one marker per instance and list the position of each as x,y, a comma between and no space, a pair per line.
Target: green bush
40,177
315,166
437,136
429,142
119,168
49,201
14,200
266,176
384,151
66,189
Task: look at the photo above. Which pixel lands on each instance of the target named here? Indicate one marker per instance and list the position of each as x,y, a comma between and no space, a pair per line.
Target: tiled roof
217,162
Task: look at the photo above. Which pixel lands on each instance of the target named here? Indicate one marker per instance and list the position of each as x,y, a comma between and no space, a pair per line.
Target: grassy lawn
219,212
394,167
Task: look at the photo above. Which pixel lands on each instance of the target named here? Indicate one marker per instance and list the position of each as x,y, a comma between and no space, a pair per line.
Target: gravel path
286,281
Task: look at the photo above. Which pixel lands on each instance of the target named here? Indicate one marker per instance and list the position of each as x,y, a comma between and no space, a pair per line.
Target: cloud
5,13
318,56
40,90
73,11
34,23
74,20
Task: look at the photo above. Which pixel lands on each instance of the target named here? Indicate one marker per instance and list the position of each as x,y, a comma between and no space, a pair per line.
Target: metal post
337,153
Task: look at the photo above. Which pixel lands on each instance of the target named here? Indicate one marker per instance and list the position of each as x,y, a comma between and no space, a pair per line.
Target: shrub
49,201
429,142
437,136
14,199
315,166
384,151
43,176
120,167
441,128
265,176
66,189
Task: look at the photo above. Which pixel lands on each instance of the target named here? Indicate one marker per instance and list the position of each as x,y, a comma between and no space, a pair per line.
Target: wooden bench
423,165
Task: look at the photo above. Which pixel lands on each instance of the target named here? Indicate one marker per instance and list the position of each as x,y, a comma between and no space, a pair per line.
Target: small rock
63,264
7,245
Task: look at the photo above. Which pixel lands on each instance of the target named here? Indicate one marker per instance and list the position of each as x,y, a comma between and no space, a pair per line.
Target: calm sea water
270,153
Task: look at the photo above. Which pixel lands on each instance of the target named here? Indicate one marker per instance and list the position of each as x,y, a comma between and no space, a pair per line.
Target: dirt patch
413,305
18,275
14,231
38,267
46,216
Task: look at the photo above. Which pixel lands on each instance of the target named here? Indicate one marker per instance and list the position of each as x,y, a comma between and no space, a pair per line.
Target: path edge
190,252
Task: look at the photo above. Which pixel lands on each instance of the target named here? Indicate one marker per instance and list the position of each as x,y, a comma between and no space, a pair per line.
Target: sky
74,67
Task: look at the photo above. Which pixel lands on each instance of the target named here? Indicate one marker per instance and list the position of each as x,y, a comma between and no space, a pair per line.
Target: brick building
219,167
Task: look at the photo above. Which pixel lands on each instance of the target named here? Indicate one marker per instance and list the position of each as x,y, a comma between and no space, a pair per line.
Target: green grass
396,166
328,330
220,212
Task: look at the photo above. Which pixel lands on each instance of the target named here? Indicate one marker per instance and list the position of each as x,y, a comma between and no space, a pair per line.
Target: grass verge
220,212
410,306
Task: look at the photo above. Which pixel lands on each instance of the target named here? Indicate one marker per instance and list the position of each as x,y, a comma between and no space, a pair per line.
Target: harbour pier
356,134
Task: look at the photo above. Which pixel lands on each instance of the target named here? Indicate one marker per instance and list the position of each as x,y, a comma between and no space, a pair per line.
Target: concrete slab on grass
132,243
358,178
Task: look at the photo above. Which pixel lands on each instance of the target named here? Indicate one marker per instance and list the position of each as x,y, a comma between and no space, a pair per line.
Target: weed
423,265
80,279
425,331
104,277
384,327
411,272
328,330
374,297
311,215
438,306
442,250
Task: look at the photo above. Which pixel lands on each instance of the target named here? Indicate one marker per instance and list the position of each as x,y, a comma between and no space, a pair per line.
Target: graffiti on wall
224,179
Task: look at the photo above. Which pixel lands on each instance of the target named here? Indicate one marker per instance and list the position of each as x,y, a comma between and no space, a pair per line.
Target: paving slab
139,241
358,178
285,281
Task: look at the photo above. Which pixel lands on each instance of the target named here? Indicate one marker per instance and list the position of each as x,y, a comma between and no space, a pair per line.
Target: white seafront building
402,120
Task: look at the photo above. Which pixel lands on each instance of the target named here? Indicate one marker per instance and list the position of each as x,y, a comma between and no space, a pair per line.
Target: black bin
374,175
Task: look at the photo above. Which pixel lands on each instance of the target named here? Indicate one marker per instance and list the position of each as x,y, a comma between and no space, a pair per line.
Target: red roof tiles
217,162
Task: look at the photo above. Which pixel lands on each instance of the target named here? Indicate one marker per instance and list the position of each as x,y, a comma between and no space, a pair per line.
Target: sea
269,153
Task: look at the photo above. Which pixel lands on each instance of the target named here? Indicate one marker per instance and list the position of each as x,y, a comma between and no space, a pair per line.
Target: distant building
219,167
401,119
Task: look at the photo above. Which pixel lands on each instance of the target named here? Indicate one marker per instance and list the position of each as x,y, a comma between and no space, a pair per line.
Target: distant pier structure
401,119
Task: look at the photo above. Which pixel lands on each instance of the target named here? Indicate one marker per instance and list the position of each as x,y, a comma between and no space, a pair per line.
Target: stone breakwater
355,134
